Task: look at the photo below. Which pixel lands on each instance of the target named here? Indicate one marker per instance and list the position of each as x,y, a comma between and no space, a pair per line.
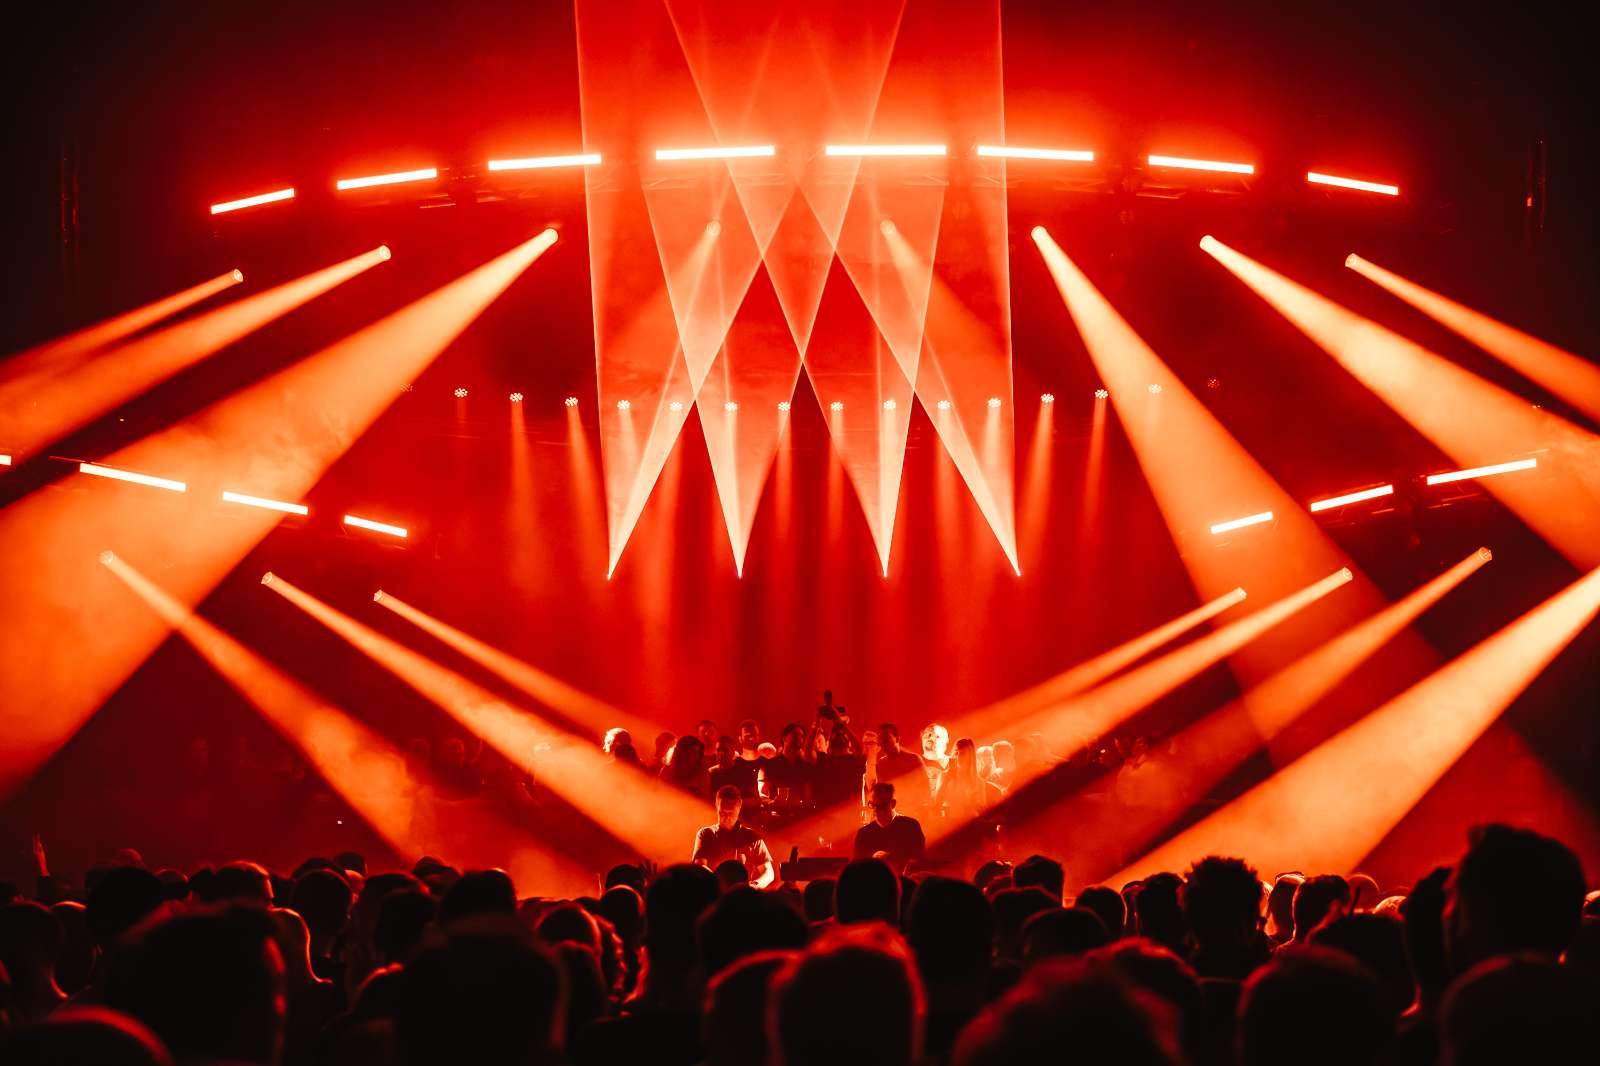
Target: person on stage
732,839
895,838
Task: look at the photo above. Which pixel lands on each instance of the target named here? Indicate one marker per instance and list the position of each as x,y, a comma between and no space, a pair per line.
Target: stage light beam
1308,817
1571,377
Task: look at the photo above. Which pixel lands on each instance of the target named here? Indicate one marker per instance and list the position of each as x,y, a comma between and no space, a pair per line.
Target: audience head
483,990
403,918
818,898
243,882
1061,931
1312,1006
120,900
745,921
868,890
568,923
76,960
1519,1008
209,984
1038,871
883,802
84,1036
729,803
951,929
1013,907
323,899
749,734
1159,911
706,731
1316,900
1280,906
1363,892
1377,942
1087,1012
1222,901
477,893
889,737
1514,891
853,996
30,944
1107,903
989,871
676,899
736,1010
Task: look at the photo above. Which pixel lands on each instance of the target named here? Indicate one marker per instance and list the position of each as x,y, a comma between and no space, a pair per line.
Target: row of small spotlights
849,151
460,393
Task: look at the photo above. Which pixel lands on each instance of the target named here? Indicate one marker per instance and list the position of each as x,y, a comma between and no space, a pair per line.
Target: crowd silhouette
726,960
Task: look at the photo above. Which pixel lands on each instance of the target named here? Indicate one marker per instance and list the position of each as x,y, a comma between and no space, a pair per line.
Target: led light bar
1352,497
545,162
5,460
883,149
128,475
746,151
252,201
263,502
1066,155
1482,471
1240,523
1352,183
1200,164
426,174
376,527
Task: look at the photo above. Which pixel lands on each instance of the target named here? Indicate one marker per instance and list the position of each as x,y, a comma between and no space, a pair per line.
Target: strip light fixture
425,174
1351,497
252,201
128,475
746,151
1182,163
1005,151
1240,523
1352,183
376,527
1482,471
545,162
266,504
883,149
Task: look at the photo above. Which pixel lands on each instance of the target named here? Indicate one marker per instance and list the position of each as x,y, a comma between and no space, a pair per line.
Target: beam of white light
128,475
376,527
252,201
1482,471
1352,183
425,174
266,504
1240,523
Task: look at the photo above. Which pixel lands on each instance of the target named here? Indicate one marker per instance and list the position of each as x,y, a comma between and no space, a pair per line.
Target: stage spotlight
943,405
252,201
1102,394
1352,497
1047,397
1180,163
886,227
1065,155
888,405
622,405
1352,183
516,397
1482,471
730,406
1240,523
1155,390
836,406
376,527
265,504
783,405
542,162
384,254
675,406
460,393
425,174
572,401
994,402
128,475
748,151
5,460
855,150
713,228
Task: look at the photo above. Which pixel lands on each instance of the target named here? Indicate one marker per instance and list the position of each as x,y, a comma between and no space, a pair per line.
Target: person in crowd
731,839
1222,904
1061,932
853,996
963,794
614,736
1107,903
787,780
706,730
951,930
1280,907
1514,891
1005,764
685,768
83,1035
323,898
1014,908
1520,1008
736,1010
30,946
935,739
730,769
1318,899
749,740
661,756
1043,873
895,838
1313,1007
1159,912
868,890
903,769
744,921
839,766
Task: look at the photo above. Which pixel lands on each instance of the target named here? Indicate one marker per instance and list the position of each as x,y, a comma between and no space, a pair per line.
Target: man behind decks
730,839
